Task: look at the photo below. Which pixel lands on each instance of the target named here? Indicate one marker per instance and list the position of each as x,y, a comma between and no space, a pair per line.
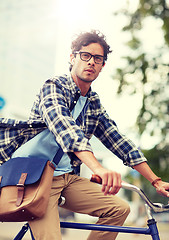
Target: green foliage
148,74
145,73
158,161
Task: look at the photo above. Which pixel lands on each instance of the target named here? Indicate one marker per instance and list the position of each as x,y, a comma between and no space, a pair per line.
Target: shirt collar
75,88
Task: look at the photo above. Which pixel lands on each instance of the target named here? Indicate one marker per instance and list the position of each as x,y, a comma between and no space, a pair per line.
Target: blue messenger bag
25,185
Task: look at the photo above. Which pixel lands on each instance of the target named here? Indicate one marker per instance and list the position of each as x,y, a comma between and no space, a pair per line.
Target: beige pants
82,196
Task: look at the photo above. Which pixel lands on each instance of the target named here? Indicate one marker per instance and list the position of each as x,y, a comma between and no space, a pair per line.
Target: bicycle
151,228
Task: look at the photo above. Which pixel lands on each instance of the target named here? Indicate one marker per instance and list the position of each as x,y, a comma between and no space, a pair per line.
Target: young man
52,107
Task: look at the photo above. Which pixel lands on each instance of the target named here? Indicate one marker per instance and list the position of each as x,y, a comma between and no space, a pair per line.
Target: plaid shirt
51,110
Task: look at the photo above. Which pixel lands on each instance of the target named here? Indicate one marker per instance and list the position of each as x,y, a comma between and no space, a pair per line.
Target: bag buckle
21,187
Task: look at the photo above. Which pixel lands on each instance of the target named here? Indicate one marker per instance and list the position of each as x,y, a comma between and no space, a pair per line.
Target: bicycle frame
151,228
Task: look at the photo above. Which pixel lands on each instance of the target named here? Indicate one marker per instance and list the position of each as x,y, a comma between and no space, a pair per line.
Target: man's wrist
155,181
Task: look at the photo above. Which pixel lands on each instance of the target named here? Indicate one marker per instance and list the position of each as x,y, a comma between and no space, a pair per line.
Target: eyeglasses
85,56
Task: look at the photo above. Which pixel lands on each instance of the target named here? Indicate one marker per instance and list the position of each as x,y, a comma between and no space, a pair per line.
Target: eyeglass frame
91,55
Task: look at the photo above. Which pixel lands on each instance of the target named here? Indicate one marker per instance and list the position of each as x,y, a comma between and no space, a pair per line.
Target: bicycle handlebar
156,207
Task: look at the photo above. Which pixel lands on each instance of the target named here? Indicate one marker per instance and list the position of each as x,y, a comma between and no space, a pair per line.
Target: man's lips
90,70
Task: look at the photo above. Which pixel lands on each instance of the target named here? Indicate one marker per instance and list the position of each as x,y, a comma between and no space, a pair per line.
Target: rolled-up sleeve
55,112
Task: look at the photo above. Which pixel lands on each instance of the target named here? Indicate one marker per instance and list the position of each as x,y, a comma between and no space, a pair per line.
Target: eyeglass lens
85,56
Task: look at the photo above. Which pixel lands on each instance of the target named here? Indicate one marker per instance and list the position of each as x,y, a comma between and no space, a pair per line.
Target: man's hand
111,181
162,188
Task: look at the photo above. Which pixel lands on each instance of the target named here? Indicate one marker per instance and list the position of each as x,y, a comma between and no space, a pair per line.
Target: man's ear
102,67
72,58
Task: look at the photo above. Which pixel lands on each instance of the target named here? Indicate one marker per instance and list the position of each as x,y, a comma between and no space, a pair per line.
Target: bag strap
20,188
60,152
77,95
0,182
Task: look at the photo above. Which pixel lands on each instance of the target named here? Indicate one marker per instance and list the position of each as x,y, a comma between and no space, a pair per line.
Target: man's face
87,71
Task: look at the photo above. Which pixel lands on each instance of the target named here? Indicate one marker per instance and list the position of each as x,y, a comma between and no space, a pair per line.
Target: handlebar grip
95,178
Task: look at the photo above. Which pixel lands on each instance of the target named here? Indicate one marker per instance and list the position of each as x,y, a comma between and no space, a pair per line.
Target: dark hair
86,38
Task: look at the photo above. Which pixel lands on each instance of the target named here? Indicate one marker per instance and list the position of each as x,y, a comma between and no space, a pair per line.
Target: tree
147,73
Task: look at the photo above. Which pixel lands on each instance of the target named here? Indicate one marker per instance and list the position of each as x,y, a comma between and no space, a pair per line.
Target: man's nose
91,61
